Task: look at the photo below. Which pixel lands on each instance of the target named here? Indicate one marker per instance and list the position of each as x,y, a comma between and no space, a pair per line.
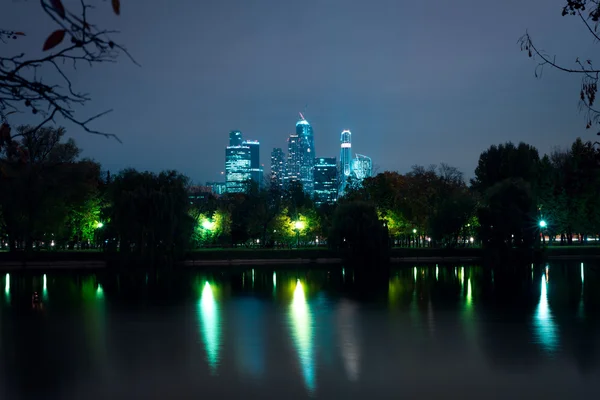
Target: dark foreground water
430,332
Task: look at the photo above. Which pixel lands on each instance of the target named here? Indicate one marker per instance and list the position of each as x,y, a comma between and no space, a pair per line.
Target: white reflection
349,345
302,333
7,285
436,272
582,273
415,273
545,326
208,314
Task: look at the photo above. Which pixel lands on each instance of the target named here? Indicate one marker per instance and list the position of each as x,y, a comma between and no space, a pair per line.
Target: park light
299,225
542,224
99,224
414,231
208,224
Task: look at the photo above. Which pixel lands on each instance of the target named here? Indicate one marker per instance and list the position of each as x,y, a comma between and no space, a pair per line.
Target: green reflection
100,292
544,322
415,273
469,301
582,273
45,288
302,332
436,272
208,314
7,286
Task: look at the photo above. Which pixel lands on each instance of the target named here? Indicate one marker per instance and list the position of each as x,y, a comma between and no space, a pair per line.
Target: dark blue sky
417,82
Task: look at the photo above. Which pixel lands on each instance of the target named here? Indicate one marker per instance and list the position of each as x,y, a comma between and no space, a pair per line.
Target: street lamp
543,226
99,225
208,225
298,225
415,236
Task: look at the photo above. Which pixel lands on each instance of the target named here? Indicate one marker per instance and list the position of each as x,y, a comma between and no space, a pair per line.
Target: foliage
38,195
75,40
149,214
358,233
588,12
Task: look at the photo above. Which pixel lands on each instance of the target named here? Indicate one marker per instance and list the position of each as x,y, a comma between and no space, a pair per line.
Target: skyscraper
277,167
292,166
235,138
306,149
362,167
345,159
256,171
237,168
326,186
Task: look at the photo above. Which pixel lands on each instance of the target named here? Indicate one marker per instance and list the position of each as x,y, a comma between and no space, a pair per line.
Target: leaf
58,7
54,39
116,5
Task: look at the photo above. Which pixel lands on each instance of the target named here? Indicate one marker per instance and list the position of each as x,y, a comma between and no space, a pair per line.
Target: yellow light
299,225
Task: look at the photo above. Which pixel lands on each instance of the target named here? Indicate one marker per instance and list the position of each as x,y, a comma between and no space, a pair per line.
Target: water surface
430,332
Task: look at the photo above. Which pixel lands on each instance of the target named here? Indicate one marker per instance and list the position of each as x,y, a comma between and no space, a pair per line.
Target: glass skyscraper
256,171
345,170
277,167
306,153
362,167
292,166
237,164
326,185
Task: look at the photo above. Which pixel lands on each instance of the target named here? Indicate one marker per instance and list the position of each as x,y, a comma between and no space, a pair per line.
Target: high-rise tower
326,186
345,159
256,171
306,146
292,166
277,167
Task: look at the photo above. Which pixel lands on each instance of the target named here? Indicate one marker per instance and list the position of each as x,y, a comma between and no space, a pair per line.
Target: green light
208,314
274,279
415,273
208,224
436,272
542,224
45,288
302,333
99,225
299,225
7,285
100,292
414,231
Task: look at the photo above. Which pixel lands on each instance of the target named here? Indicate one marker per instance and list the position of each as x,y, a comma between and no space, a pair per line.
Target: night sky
417,82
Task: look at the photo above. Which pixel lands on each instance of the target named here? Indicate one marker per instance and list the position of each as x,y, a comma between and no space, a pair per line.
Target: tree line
51,198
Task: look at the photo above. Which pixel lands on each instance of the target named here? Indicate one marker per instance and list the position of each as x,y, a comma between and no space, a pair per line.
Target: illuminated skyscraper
362,167
292,166
235,138
326,186
306,152
237,168
256,171
277,167
345,159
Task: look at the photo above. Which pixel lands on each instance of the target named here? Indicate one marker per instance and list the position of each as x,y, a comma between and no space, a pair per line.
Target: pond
434,331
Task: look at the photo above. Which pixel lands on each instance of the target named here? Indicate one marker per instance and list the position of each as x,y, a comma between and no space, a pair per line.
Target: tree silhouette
588,11
24,87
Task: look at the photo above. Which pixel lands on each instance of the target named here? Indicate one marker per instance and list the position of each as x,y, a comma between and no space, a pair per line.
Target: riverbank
90,259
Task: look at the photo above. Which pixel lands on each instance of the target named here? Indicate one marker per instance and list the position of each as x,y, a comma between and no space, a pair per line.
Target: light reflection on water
209,323
302,332
440,315
348,340
545,328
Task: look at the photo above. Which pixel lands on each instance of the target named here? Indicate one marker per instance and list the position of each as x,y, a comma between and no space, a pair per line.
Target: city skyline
243,163
390,90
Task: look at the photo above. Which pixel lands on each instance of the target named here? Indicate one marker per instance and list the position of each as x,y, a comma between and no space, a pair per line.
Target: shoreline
96,261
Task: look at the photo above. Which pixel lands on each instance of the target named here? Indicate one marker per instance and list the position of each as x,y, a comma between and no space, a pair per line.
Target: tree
23,84
149,214
40,193
506,161
588,11
358,234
